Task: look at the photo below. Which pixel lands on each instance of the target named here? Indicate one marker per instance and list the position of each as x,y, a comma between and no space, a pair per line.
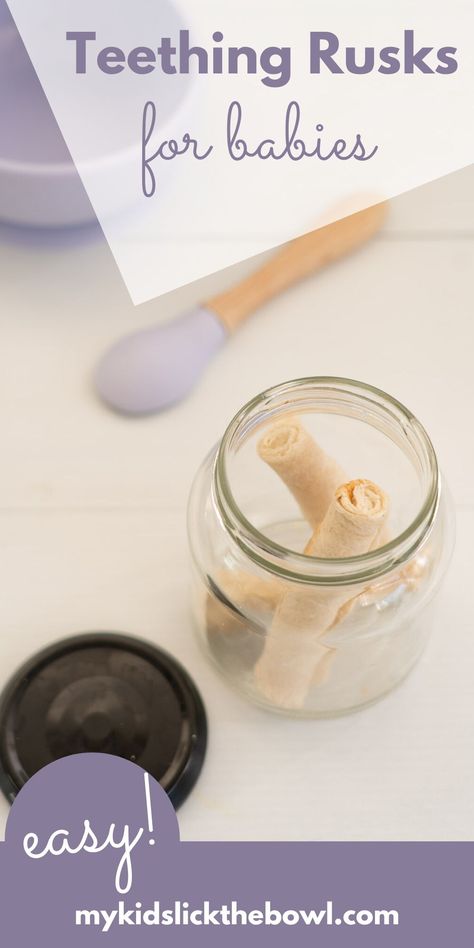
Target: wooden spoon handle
297,260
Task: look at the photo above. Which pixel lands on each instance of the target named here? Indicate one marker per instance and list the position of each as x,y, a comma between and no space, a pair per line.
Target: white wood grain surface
92,509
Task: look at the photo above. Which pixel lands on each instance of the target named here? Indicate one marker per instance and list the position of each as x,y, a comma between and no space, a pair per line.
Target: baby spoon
152,369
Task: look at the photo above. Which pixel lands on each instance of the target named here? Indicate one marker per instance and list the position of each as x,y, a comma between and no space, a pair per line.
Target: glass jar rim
299,567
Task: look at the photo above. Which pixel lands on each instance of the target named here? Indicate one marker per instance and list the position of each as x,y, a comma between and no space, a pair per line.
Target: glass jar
247,537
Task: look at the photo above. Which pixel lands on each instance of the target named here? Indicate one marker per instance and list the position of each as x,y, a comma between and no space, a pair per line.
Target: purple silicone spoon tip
153,369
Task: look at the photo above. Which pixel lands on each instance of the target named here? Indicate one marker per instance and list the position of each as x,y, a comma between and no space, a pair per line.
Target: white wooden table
92,510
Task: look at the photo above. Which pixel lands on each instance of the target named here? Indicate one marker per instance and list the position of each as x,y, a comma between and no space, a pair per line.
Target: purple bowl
39,184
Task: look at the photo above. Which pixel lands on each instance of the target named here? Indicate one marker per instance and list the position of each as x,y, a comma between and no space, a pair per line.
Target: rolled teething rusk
357,513
293,650
308,472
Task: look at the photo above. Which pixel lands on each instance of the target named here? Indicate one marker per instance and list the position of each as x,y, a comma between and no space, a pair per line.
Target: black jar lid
103,693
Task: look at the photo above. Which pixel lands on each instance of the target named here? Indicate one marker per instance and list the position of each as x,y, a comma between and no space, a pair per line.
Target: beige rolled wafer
308,472
293,650
311,475
356,515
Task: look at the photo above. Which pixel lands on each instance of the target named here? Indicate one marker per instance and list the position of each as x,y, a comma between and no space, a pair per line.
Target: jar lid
103,693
